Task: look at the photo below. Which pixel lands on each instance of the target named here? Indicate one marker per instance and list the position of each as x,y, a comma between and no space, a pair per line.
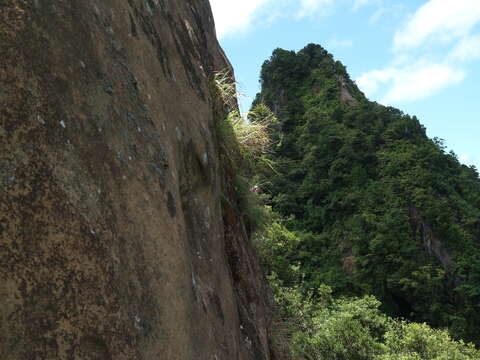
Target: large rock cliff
114,241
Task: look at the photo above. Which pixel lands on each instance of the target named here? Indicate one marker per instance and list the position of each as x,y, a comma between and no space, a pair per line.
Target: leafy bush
420,342
311,324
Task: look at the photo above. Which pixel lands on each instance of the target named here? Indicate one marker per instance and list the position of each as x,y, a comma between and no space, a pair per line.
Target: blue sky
421,56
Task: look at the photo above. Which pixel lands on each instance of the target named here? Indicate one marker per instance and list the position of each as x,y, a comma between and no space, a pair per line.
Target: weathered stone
108,160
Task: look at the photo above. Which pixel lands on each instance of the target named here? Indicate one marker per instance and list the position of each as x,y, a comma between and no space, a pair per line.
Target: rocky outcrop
345,93
114,243
432,243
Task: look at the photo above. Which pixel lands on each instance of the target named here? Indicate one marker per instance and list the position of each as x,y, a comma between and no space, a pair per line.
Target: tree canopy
377,207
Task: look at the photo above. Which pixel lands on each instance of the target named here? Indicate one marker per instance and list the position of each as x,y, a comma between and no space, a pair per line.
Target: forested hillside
366,203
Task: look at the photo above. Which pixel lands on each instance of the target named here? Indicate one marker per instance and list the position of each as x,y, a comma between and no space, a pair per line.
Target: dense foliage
311,324
376,206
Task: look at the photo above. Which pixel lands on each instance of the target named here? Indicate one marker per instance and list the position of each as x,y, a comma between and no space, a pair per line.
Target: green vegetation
370,206
360,205
311,324
244,145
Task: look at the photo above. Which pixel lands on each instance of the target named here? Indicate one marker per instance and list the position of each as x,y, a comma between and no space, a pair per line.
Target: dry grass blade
227,89
252,137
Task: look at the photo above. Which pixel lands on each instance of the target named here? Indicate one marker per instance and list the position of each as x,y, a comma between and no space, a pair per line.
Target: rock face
114,243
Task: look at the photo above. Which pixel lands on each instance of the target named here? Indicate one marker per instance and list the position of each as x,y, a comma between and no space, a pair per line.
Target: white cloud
234,16
370,82
311,7
464,158
431,50
441,20
421,81
467,49
357,4
411,82
393,11
469,160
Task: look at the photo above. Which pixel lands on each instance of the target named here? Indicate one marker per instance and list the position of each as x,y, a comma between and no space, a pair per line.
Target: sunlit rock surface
114,242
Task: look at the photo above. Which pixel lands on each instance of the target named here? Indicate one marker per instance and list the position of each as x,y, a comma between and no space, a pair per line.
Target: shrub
244,144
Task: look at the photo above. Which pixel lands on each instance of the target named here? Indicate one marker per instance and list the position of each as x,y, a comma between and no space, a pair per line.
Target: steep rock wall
114,243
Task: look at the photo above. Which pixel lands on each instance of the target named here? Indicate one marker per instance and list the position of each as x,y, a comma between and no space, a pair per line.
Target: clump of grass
226,88
248,135
245,142
253,137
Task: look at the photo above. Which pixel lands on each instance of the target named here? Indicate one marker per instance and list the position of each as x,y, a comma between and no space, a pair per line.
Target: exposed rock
113,243
432,243
345,93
